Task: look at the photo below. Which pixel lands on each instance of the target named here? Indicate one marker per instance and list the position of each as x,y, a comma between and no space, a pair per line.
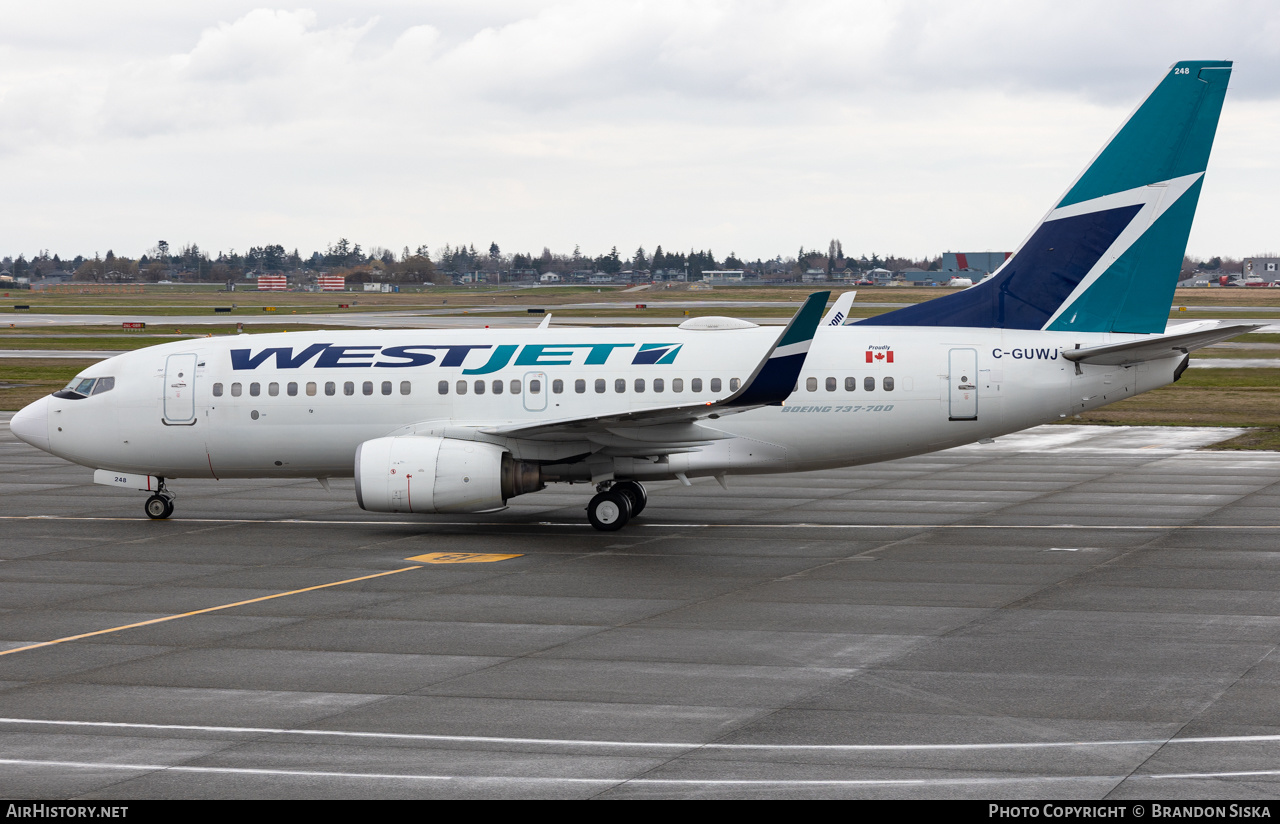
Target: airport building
718,276
1266,268
979,262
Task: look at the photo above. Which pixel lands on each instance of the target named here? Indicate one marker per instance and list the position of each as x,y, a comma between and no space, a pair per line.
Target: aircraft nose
31,424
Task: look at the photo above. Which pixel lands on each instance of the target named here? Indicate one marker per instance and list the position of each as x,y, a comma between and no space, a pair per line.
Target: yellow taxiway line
202,611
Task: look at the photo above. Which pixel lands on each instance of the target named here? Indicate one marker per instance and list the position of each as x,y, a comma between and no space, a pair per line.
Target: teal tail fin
1107,256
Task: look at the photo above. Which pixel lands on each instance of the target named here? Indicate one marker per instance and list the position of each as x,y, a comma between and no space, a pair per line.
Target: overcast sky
909,128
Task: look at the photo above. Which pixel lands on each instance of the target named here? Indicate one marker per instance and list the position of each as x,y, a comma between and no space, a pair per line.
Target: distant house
719,276
549,277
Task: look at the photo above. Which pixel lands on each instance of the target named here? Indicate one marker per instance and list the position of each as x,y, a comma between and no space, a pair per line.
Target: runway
1074,612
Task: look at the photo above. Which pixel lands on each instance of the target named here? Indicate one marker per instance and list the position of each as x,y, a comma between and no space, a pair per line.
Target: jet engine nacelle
417,473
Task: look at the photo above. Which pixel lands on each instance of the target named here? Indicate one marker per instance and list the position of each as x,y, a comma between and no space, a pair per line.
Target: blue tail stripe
1135,293
1034,282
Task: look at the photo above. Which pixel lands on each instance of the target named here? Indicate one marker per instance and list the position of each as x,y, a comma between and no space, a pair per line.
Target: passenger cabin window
386,387
292,389
462,387
515,387
811,384
850,384
734,383
217,390
235,390
405,387
535,386
367,388
677,384
831,384
497,386
869,384
695,385
311,389
349,388
658,384
888,384
273,389
557,386
443,387
715,384
330,388
600,386
579,386
479,387
255,389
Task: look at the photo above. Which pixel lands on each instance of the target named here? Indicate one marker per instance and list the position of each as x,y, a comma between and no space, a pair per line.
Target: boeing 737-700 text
462,421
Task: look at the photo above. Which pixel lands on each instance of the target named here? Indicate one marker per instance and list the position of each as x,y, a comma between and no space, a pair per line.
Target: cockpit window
84,387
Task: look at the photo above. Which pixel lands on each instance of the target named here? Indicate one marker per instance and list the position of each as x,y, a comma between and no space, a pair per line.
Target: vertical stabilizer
1106,258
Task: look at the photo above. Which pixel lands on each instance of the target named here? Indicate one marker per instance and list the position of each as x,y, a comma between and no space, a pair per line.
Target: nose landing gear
615,504
160,505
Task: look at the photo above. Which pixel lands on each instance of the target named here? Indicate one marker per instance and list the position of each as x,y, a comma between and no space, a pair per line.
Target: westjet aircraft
463,421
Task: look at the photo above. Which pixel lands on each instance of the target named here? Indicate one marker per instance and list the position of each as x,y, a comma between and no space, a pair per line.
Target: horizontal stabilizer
1162,346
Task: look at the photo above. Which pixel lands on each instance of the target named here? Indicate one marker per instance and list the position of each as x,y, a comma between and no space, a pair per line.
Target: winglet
839,312
775,377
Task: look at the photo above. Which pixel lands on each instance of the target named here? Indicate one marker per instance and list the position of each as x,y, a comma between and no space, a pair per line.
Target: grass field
1207,397
23,380
156,300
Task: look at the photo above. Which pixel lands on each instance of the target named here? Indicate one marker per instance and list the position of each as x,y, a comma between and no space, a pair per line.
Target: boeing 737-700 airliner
462,421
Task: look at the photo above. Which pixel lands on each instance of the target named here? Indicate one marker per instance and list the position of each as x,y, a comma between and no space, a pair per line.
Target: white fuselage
866,394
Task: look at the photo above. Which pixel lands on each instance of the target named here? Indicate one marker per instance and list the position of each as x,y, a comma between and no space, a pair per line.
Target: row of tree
161,262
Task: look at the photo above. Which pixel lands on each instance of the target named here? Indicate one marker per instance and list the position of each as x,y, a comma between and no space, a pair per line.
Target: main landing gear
160,505
615,504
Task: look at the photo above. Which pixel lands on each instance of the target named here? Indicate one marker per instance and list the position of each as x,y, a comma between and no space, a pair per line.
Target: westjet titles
333,356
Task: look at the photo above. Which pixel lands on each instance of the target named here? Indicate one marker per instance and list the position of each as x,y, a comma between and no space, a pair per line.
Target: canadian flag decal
881,356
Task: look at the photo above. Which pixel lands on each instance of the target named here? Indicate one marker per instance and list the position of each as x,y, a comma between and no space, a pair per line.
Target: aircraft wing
1161,346
772,380
839,312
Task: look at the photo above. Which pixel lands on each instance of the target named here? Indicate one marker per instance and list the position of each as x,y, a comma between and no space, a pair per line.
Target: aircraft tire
609,511
635,493
158,507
